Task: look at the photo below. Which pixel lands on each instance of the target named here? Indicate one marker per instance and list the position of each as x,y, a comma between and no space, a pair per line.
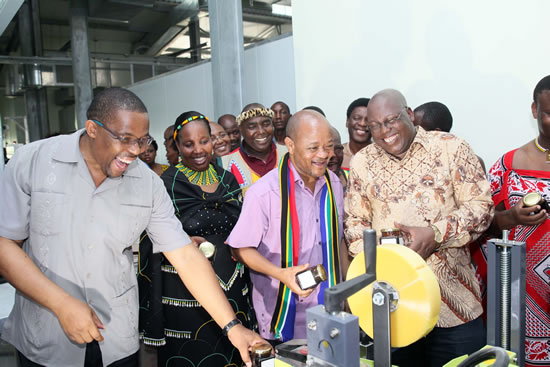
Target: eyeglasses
376,126
142,142
221,135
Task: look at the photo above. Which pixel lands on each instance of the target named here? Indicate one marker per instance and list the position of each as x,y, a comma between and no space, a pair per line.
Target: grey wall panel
269,76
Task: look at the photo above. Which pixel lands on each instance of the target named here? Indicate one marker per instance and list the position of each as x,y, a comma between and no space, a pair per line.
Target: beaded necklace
202,178
544,150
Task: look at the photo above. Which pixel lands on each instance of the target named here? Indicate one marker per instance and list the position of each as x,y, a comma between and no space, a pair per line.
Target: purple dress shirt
259,226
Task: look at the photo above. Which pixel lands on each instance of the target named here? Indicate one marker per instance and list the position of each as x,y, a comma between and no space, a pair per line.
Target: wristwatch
438,237
229,325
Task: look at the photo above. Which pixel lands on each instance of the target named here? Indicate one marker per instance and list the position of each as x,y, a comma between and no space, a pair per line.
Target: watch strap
230,324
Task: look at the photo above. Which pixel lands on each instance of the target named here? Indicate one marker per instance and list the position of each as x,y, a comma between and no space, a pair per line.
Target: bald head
305,120
227,119
389,96
335,135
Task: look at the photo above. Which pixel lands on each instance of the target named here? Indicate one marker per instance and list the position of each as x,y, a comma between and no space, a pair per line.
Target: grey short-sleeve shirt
80,237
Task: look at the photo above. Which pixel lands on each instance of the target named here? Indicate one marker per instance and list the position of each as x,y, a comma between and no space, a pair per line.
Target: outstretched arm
198,276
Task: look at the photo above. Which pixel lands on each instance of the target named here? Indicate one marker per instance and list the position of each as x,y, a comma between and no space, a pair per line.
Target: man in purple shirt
256,238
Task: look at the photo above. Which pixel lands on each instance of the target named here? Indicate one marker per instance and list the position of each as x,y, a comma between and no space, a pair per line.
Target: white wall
481,58
268,74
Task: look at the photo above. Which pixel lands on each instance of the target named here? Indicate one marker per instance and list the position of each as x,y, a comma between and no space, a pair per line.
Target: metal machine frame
506,276
340,347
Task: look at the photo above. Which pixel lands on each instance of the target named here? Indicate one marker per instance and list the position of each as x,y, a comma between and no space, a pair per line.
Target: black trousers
441,345
92,359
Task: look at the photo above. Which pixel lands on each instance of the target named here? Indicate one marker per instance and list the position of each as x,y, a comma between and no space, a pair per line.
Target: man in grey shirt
71,208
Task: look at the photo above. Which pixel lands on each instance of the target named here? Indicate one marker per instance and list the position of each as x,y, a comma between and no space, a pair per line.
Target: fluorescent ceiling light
281,10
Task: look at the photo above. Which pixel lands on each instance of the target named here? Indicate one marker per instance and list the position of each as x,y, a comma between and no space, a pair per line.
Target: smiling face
395,137
357,125
257,132
112,156
220,140
195,146
311,145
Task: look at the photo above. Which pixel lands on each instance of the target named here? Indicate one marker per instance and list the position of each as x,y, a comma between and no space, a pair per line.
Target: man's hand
419,239
288,276
527,215
79,321
243,339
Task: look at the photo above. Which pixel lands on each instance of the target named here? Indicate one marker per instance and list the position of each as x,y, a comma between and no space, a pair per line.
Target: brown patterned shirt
438,182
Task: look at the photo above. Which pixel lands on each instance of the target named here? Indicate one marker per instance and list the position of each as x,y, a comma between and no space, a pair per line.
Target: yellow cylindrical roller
419,296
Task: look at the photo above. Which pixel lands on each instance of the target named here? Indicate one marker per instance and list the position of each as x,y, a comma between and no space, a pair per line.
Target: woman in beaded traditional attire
207,200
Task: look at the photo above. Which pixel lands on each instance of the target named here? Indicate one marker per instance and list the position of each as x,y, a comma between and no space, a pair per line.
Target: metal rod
68,60
335,296
504,255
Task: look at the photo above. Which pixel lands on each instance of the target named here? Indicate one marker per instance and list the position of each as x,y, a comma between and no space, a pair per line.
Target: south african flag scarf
282,323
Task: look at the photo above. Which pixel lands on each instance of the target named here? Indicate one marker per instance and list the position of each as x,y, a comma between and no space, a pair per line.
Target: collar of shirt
69,152
260,166
245,152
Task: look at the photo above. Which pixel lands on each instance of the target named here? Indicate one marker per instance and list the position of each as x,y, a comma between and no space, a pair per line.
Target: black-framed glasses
142,142
376,126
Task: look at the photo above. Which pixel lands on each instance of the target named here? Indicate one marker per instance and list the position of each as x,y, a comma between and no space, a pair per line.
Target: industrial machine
382,301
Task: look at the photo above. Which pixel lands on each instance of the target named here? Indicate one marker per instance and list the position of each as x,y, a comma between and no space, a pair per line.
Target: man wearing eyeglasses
431,186
72,206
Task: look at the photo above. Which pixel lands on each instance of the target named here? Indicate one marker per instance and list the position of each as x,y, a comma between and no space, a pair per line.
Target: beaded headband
258,111
189,120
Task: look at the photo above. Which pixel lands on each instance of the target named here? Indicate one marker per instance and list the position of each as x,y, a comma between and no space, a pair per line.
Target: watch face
438,237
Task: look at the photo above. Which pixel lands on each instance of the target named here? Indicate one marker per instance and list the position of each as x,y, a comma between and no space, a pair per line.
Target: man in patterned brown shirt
432,187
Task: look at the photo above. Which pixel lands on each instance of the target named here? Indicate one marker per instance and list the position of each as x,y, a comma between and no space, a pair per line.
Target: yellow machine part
419,295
